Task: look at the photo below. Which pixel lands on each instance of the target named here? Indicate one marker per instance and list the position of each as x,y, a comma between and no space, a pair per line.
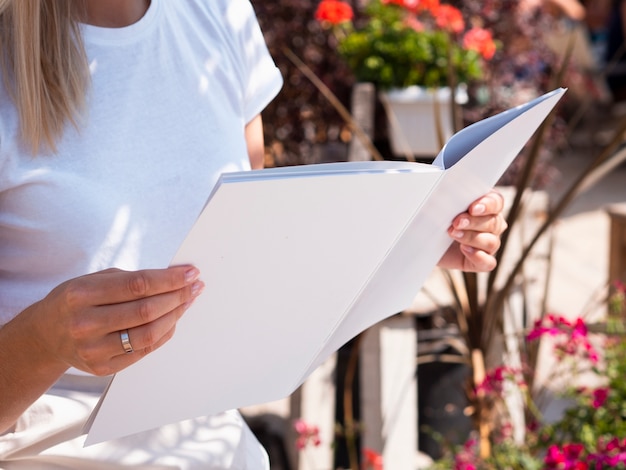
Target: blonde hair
44,66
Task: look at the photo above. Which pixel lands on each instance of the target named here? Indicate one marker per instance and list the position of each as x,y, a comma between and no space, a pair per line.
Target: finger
120,359
489,223
482,241
491,203
477,260
145,338
116,286
143,311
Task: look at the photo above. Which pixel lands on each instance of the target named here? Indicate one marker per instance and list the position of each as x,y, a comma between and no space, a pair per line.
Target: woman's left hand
476,234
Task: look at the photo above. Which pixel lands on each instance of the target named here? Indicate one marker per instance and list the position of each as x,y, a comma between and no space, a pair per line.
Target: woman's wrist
27,367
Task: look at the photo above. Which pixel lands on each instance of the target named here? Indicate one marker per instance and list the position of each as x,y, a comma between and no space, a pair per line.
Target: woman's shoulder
227,13
230,23
210,7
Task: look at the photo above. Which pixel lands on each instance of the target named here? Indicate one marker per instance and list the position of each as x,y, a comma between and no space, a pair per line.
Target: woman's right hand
80,322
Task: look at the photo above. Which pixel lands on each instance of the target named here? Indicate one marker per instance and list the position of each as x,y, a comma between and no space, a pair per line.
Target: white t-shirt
169,100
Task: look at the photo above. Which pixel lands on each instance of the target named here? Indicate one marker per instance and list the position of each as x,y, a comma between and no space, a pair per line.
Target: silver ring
128,348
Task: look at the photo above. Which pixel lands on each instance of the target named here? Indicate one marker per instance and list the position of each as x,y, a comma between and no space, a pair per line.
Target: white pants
48,436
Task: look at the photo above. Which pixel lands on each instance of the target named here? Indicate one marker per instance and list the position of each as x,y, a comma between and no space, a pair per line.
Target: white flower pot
412,118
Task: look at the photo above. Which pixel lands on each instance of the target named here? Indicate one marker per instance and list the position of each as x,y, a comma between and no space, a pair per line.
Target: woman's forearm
26,369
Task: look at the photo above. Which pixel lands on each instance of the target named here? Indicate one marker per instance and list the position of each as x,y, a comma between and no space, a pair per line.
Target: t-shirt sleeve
262,79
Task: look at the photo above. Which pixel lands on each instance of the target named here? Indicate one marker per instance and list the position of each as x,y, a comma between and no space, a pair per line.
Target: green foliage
301,118
591,433
590,422
506,455
388,52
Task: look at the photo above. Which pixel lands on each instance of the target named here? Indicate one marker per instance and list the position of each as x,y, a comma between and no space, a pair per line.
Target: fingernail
191,275
457,233
197,288
463,222
468,249
478,209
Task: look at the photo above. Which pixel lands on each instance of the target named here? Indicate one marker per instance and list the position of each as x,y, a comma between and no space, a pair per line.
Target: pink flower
554,457
609,454
506,433
575,335
570,457
550,325
467,457
616,444
495,378
580,329
307,434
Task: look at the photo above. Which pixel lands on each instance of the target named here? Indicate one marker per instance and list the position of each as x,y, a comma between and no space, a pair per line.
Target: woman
117,117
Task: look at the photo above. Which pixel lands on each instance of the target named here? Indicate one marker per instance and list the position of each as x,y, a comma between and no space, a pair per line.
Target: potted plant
419,54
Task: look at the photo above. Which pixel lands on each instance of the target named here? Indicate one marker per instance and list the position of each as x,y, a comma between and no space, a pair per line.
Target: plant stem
528,170
484,428
593,173
334,101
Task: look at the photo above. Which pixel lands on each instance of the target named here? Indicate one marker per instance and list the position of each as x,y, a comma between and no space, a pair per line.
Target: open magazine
299,260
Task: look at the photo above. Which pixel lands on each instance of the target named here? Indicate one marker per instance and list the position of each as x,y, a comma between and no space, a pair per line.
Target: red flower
414,5
449,18
428,5
481,41
372,460
334,11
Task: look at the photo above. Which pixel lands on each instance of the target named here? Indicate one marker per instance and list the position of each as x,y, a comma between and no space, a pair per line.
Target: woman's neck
113,13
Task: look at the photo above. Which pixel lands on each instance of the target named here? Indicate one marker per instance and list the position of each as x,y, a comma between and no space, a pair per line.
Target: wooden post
617,243
389,390
317,407
363,109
